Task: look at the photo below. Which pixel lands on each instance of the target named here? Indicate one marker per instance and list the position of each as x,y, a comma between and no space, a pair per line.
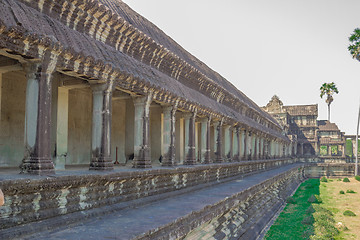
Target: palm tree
329,89
354,47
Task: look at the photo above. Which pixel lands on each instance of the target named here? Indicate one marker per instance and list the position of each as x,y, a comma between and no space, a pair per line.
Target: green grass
295,221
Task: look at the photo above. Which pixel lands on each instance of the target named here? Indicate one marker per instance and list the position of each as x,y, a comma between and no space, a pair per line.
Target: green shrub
342,192
310,210
339,180
349,213
346,180
307,233
323,179
323,211
350,191
290,200
314,199
357,177
308,220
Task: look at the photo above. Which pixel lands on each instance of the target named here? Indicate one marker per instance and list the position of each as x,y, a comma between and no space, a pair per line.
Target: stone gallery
93,85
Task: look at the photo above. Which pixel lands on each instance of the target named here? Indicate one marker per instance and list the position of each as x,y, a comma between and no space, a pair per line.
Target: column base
205,158
236,158
142,163
190,158
219,160
168,159
37,166
190,162
168,163
101,163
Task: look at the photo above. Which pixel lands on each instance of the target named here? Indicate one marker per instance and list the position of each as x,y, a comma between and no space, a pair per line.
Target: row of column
231,143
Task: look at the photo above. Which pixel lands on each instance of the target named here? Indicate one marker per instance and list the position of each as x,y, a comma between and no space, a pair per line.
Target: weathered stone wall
129,121
155,132
330,170
118,130
79,140
29,200
241,216
12,118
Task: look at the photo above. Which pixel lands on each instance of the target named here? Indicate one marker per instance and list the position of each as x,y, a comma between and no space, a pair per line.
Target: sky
267,47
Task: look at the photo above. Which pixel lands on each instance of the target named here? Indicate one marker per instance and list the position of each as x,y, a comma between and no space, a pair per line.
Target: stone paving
129,223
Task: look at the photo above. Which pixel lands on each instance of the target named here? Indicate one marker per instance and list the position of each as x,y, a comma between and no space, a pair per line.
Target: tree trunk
329,112
357,144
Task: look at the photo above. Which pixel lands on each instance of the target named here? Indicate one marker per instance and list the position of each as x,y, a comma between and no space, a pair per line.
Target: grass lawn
328,220
289,223
337,203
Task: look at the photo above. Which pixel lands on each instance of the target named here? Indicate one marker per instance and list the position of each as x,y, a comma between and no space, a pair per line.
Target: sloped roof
325,125
31,20
302,110
141,23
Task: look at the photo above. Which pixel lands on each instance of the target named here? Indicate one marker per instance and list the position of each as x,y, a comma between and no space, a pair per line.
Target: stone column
218,141
197,154
329,150
353,143
101,128
344,150
261,155
259,147
275,149
0,92
142,154
37,158
265,148
169,136
249,145
302,149
317,150
190,155
253,146
243,144
227,142
236,144
205,140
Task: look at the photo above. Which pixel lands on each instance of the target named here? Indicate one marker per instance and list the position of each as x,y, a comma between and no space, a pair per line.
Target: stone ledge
35,200
253,215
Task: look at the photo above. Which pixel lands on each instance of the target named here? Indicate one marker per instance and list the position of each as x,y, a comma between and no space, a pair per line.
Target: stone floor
14,172
128,223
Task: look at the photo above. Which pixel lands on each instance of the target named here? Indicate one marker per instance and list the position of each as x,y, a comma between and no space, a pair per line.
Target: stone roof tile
41,24
325,125
302,110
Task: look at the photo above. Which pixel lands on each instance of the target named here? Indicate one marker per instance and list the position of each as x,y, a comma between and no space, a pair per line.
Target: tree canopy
329,89
354,47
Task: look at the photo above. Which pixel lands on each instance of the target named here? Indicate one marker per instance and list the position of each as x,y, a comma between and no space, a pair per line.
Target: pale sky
266,47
